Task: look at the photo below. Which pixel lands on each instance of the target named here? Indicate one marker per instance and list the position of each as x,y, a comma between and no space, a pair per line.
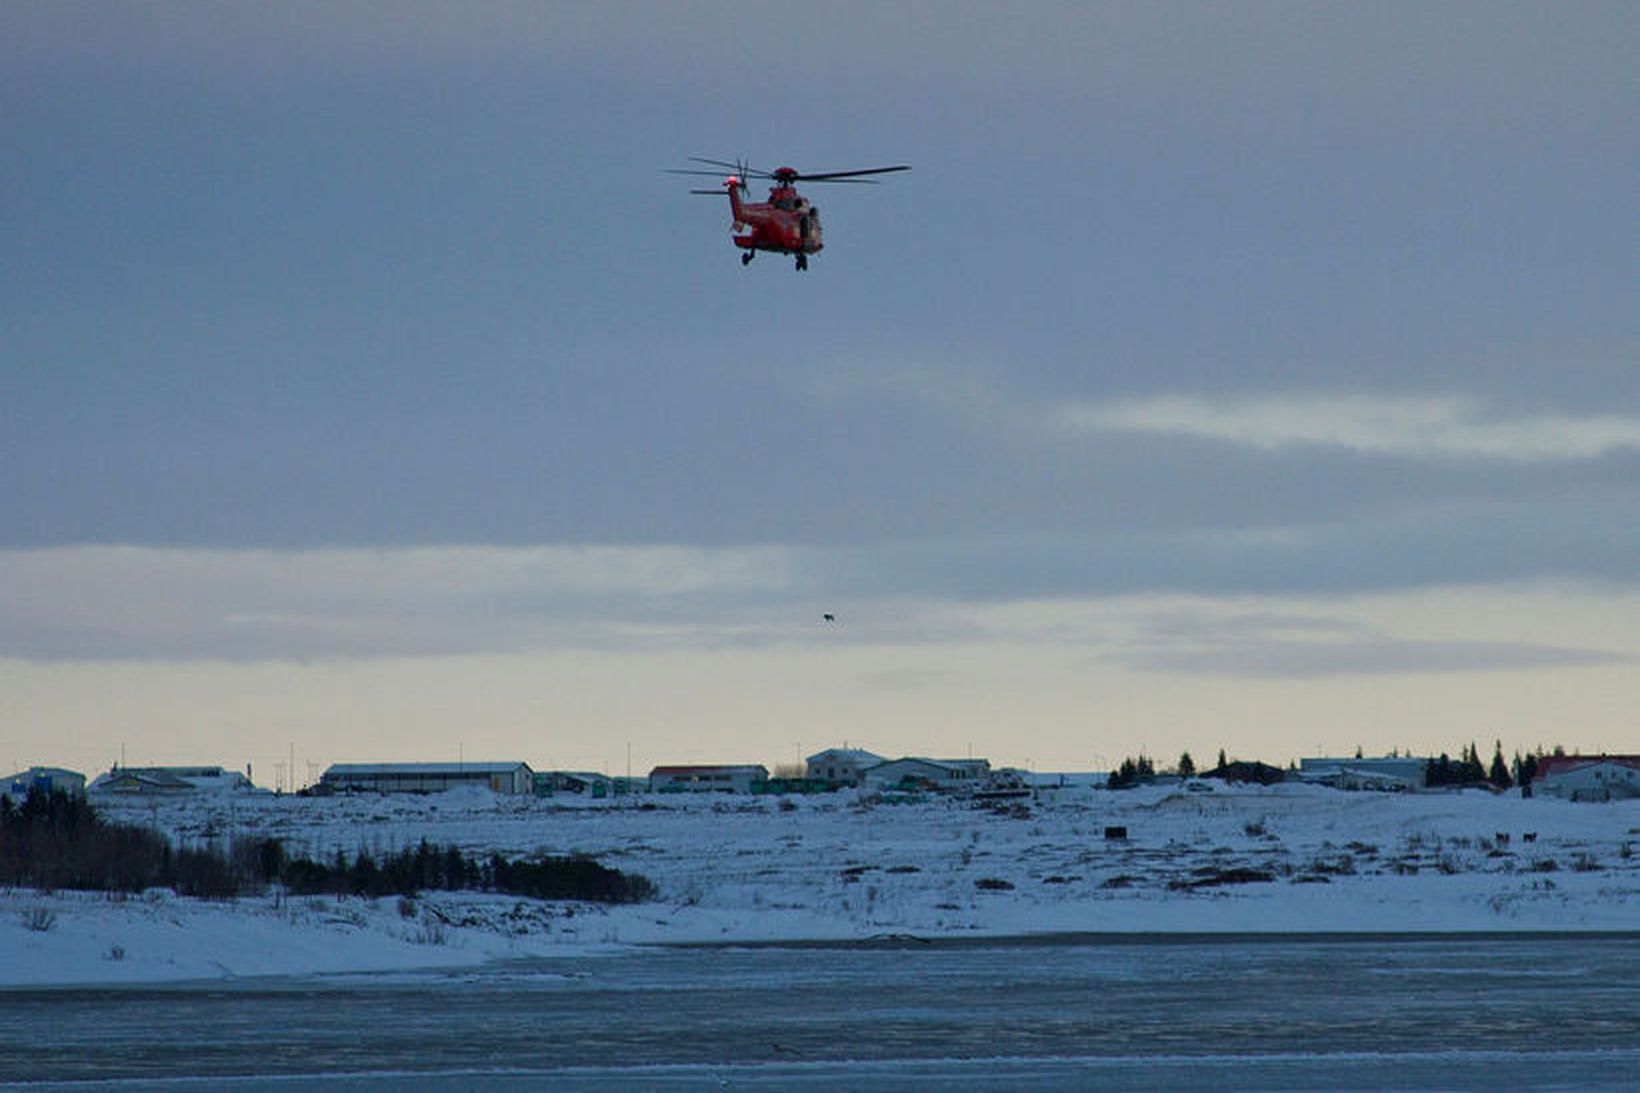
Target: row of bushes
445,869
54,841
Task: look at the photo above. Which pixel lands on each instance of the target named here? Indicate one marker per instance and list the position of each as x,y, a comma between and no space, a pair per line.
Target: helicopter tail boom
732,184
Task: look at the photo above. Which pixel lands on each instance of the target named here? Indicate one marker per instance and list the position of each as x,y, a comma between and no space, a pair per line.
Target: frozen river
1231,1013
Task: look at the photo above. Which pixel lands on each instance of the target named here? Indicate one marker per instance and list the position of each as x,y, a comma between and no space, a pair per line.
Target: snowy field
842,867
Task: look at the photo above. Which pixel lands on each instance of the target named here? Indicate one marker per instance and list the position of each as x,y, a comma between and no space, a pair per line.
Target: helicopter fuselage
786,223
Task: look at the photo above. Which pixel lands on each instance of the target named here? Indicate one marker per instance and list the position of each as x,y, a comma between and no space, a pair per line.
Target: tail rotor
739,170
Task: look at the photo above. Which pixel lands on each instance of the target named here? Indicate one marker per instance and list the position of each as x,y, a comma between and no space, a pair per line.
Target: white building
165,781
428,777
45,779
841,765
1393,773
1066,780
945,775
1588,777
707,779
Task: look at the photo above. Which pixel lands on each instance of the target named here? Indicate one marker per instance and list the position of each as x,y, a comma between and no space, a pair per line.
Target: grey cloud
1431,427
101,602
1277,644
1264,658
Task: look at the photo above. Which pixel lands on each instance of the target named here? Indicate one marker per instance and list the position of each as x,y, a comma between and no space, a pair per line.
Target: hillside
728,869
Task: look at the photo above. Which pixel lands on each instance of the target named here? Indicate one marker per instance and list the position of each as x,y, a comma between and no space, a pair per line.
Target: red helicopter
786,223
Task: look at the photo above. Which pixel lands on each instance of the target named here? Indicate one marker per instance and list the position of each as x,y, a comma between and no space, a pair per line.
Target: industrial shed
427,777
947,775
1389,773
707,779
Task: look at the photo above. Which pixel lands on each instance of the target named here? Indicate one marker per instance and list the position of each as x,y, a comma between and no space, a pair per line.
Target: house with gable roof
844,766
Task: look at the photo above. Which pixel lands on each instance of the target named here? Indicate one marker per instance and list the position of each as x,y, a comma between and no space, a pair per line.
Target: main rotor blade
742,169
828,176
686,171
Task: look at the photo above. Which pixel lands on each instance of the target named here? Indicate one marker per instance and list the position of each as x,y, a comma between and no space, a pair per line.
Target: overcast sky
1257,376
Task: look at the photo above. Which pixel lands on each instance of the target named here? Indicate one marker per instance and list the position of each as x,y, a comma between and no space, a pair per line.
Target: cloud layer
1411,427
146,602
114,603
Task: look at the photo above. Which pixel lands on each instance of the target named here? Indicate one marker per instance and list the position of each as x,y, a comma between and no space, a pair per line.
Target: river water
1152,1012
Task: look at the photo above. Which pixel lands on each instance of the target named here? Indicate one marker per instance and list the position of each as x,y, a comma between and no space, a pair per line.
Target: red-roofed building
1588,777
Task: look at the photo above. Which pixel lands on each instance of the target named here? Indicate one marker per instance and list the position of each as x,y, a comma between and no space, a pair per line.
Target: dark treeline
54,841
446,869
1468,769
1133,771
1443,770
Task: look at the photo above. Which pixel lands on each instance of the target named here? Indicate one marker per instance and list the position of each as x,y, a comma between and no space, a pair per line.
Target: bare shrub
431,932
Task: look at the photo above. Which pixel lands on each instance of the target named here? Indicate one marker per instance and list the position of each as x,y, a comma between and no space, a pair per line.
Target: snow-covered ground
840,866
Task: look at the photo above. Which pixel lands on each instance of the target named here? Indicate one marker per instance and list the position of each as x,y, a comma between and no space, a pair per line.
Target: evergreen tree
1498,775
1440,771
1223,762
1131,772
1469,769
1187,766
1526,769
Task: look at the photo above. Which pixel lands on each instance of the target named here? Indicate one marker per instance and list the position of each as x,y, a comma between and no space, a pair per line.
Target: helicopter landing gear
746,257
802,261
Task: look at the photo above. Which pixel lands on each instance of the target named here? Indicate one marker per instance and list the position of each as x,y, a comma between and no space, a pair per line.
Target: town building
1243,771
844,766
1066,780
1392,773
171,781
707,779
944,775
1587,777
44,779
507,778
584,783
